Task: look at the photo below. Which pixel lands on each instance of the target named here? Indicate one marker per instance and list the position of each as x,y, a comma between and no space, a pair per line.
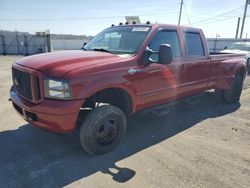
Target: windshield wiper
103,50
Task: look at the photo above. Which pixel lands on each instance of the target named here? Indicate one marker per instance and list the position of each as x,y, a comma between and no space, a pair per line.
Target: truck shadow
31,157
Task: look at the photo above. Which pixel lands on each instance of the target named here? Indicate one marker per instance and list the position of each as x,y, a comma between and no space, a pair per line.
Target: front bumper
54,115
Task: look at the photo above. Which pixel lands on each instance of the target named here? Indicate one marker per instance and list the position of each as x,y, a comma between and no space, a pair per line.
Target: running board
163,110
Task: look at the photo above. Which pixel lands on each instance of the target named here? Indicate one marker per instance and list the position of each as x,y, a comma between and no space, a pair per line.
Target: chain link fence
19,43
218,44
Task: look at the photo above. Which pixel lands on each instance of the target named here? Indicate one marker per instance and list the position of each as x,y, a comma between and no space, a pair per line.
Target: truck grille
22,84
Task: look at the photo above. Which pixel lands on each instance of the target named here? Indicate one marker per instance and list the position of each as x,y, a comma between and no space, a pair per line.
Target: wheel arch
240,69
114,95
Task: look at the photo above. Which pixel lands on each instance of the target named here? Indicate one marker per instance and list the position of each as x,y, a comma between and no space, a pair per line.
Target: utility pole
26,45
179,21
244,17
215,42
237,29
48,41
17,42
3,43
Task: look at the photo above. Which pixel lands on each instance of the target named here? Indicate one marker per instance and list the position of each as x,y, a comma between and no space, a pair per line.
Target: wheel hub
107,132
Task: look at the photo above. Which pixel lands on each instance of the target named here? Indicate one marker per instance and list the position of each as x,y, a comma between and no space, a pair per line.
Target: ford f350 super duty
122,70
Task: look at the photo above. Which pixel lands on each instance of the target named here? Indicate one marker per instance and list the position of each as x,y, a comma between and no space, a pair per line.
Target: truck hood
57,64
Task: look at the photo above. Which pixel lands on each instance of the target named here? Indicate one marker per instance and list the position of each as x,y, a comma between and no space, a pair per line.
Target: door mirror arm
146,56
165,55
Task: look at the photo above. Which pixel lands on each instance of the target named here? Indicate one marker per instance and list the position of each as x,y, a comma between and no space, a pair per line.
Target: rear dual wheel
248,65
233,94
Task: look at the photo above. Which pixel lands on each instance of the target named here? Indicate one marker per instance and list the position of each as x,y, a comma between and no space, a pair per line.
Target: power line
186,12
214,21
217,16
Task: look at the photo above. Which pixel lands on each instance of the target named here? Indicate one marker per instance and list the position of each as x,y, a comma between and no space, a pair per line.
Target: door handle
182,67
134,70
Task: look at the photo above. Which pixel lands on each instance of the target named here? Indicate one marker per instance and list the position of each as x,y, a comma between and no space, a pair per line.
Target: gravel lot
200,143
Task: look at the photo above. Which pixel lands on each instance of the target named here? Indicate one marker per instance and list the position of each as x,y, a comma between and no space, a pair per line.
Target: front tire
233,94
103,129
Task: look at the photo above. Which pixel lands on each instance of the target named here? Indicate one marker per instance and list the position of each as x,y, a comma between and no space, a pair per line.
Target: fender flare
239,68
100,84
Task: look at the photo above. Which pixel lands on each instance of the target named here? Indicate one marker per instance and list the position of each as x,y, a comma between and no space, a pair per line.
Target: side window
194,44
166,37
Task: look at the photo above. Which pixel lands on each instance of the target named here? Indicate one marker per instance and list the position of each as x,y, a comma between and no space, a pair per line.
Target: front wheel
233,94
103,129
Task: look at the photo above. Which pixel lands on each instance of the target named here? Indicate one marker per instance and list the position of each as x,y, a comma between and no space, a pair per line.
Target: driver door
156,83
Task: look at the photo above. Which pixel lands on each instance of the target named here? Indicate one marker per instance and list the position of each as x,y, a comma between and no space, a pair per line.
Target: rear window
194,44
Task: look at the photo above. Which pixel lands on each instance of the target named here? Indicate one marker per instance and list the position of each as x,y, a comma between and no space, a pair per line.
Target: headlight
57,89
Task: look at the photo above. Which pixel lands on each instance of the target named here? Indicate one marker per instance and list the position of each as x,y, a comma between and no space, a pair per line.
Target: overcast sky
90,17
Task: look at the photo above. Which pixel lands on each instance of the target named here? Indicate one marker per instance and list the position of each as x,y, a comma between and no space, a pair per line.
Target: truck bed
220,55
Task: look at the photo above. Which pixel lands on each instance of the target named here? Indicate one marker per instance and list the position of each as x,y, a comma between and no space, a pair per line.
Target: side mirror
165,54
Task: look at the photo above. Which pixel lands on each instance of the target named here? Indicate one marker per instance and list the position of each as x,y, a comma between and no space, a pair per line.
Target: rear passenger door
195,68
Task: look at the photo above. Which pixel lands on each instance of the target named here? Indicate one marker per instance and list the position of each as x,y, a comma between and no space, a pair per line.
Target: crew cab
122,70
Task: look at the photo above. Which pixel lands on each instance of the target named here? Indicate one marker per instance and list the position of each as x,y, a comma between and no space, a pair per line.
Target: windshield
238,46
119,40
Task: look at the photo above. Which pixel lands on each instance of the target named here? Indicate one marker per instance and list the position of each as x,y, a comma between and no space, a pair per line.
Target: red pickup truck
124,69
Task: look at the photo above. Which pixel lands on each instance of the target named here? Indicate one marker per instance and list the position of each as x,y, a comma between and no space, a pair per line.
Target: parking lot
200,143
